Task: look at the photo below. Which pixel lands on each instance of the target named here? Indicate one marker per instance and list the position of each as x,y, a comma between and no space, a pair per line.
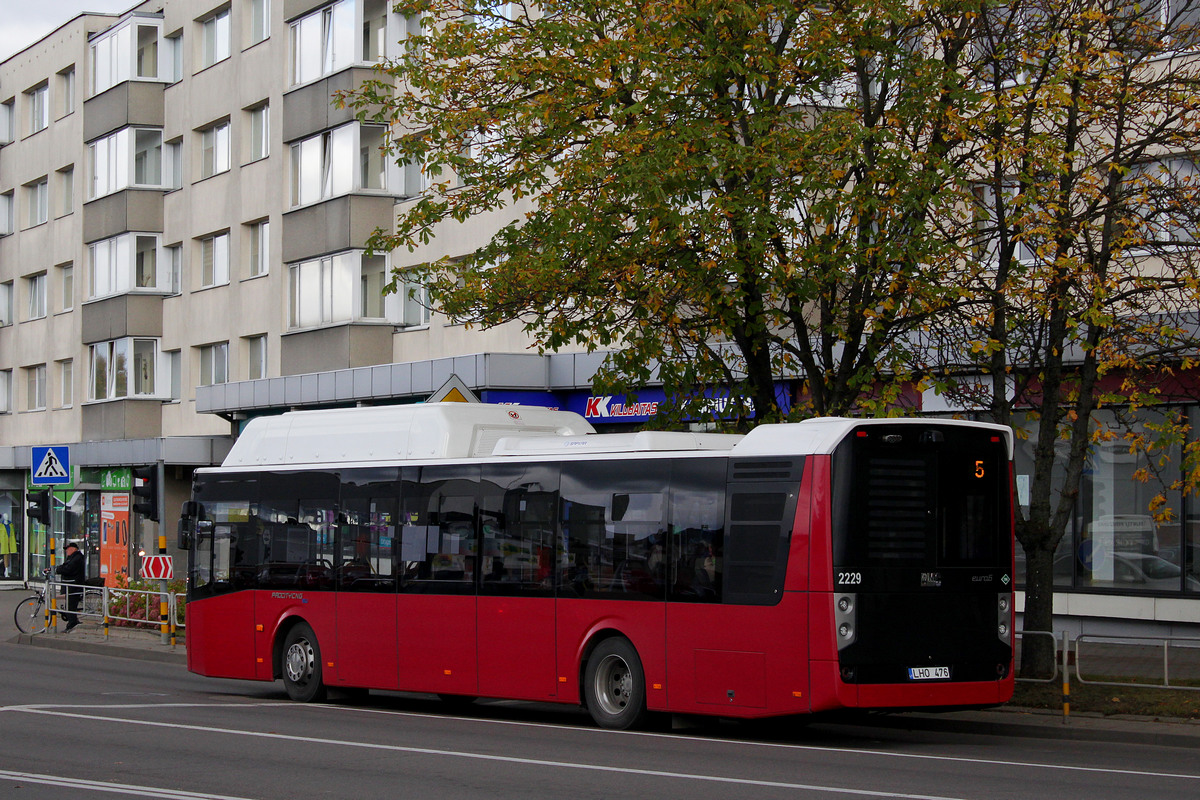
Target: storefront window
1127,532
12,538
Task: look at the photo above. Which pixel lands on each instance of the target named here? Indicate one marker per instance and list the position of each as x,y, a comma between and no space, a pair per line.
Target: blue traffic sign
51,466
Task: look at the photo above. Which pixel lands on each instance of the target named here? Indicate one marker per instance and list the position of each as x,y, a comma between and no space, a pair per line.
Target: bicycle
31,615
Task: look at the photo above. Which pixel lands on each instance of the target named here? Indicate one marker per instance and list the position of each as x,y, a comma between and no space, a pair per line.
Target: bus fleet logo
287,596
605,408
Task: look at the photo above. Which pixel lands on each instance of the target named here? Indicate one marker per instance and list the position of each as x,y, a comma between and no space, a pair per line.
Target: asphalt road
83,725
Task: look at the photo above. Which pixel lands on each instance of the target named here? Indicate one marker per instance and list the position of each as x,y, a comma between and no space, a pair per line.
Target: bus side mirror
188,514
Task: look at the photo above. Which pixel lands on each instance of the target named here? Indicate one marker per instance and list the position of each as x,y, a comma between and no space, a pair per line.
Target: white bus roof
434,431
393,433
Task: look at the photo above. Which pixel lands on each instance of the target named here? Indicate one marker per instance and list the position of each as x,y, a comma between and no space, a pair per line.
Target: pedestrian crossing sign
51,466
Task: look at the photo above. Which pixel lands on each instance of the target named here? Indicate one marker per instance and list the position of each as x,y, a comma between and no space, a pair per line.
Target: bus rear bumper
830,692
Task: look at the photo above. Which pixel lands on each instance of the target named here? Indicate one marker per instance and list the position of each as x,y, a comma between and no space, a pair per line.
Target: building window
174,259
259,236
35,388
256,357
260,20
122,368
6,213
128,51
173,57
126,263
323,42
260,132
6,122
5,391
326,165
66,383
66,286
339,288
66,91
175,373
215,38
35,292
173,164
37,202
111,156
65,192
6,303
214,364
214,260
39,108
414,299
214,149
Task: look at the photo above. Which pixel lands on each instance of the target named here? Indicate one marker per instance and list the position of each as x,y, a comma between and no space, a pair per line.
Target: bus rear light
844,619
1004,617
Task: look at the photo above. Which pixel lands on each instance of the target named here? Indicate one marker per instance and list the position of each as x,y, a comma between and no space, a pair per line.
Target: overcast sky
23,22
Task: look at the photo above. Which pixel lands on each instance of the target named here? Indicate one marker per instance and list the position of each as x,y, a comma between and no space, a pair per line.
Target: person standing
72,573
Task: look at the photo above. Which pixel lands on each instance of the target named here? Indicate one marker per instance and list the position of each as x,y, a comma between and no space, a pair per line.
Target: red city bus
470,550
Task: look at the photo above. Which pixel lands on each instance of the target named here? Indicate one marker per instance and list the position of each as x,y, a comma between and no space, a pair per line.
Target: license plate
928,673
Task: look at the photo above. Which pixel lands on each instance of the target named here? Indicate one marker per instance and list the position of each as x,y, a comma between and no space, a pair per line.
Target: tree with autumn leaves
865,197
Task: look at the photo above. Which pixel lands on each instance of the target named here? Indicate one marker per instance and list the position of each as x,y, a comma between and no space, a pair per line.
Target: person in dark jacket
72,573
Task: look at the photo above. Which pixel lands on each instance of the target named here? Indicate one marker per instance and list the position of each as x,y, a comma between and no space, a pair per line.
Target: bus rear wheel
302,665
614,685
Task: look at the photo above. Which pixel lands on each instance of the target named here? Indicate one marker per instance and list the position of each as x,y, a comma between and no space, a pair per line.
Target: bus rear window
911,496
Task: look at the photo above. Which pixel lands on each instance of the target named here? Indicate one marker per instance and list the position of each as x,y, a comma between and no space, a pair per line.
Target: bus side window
695,569
437,530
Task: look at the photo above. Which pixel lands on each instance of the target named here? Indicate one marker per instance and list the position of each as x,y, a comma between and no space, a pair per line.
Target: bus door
518,521
365,574
435,618
735,640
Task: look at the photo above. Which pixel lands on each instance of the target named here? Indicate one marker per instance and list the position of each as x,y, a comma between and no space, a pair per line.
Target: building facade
184,217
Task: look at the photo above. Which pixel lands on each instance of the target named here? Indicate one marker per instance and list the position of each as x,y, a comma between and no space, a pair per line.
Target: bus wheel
614,685
302,665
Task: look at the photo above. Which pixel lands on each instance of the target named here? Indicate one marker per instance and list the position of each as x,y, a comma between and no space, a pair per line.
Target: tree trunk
1038,642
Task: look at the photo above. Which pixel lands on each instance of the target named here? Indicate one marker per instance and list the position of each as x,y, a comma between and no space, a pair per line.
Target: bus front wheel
302,665
615,686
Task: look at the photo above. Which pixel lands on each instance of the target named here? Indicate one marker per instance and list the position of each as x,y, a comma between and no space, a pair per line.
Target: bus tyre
614,685
302,665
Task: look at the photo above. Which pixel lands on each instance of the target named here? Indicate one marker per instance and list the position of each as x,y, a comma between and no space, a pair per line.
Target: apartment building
183,209
184,217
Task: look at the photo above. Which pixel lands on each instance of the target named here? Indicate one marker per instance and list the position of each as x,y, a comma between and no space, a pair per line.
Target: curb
118,647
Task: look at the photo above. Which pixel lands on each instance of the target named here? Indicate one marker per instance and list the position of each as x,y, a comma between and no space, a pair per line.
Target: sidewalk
147,645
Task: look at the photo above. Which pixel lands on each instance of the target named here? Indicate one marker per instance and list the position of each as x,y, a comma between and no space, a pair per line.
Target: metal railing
1132,660
1053,644
132,607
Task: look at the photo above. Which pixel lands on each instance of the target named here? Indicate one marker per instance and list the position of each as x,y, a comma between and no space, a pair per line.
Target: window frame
35,294
35,387
213,363
215,258
214,149
38,102
216,37
122,278
119,382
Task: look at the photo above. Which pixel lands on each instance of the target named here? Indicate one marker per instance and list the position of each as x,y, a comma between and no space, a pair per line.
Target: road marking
51,710
652,773
111,788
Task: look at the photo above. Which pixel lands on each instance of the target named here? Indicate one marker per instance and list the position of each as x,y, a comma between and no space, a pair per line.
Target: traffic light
39,507
145,492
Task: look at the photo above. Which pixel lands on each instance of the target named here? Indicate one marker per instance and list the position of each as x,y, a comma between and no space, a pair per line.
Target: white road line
110,788
493,758
50,709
